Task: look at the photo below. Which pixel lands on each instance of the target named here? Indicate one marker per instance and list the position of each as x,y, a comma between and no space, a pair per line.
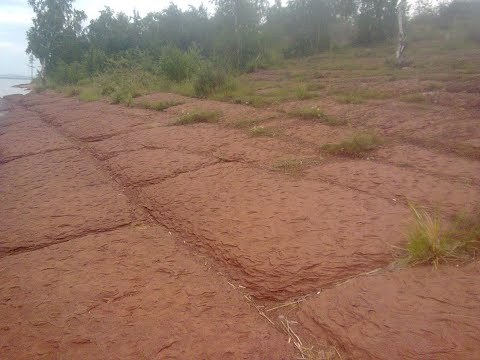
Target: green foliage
68,73
210,80
177,65
376,21
89,94
359,144
431,239
196,117
55,34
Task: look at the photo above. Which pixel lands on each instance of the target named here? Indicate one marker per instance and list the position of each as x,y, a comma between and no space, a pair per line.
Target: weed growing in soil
315,113
349,99
356,146
197,116
413,98
433,240
302,92
292,166
243,124
158,105
259,130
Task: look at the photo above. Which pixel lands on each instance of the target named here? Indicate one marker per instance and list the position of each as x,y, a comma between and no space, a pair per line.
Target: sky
16,19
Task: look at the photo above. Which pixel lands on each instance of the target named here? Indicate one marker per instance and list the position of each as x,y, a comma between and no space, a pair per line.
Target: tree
55,31
31,59
401,33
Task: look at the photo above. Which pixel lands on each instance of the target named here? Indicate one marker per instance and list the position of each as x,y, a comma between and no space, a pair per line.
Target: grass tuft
245,123
414,98
433,240
315,113
158,105
356,146
349,99
259,130
293,166
196,117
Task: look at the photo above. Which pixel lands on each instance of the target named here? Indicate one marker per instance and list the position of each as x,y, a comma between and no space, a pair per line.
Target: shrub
210,80
89,94
356,146
177,65
197,116
72,73
432,239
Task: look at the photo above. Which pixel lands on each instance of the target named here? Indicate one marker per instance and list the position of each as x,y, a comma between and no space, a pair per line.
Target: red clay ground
124,237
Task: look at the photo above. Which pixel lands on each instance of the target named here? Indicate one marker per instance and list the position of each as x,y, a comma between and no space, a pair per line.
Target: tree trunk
42,70
401,33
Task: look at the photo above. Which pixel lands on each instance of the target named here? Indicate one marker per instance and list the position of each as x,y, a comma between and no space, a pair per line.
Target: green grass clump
315,113
89,94
292,166
414,98
158,105
349,99
196,117
433,240
356,146
259,130
245,123
302,92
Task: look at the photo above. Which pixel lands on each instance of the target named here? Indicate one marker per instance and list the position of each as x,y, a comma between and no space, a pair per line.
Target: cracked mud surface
123,237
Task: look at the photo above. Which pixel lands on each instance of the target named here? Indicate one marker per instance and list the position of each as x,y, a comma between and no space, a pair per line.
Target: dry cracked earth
125,238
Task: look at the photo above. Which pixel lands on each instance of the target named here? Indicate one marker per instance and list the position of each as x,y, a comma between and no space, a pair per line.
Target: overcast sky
16,17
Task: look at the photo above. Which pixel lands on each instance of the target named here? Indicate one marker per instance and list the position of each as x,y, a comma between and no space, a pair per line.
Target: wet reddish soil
124,237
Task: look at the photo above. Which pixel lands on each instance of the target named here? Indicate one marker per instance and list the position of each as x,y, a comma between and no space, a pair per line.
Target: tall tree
56,27
402,6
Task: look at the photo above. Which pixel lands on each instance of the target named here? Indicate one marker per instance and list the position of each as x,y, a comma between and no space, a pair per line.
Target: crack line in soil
61,240
13,158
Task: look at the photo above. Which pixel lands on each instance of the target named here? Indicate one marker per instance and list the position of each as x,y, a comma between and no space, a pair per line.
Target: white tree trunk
401,33
43,66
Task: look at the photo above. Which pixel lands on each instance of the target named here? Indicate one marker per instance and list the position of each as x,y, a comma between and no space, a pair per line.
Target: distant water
6,87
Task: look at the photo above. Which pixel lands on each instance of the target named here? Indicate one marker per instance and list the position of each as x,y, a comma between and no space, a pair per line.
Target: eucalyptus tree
56,32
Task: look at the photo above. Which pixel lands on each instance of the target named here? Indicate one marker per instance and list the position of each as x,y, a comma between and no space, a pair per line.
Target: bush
89,94
68,73
177,65
210,80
